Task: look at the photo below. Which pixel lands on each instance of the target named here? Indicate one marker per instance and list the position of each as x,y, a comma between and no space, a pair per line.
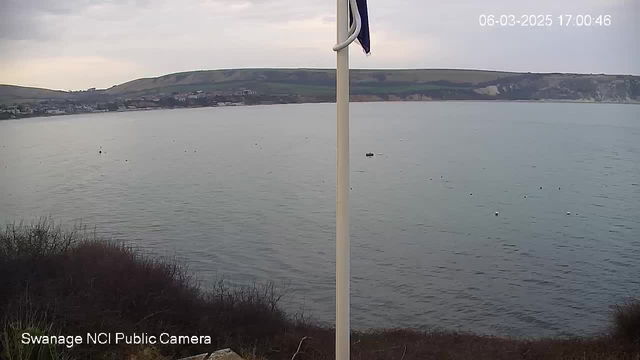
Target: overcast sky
77,44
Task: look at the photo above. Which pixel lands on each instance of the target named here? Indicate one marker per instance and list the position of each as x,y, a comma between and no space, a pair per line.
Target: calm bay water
248,193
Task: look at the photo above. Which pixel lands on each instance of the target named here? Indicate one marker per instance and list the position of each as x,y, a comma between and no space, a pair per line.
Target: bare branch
299,346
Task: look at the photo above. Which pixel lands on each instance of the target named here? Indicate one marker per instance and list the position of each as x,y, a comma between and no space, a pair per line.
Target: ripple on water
264,214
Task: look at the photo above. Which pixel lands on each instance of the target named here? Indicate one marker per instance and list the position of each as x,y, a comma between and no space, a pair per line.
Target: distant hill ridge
366,85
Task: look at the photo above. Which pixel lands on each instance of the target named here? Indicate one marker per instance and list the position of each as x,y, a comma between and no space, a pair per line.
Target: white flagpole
342,192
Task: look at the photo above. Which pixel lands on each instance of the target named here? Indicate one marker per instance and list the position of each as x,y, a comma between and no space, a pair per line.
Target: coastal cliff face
579,88
593,88
531,87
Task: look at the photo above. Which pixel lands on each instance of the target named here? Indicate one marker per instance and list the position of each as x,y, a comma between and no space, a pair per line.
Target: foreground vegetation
56,281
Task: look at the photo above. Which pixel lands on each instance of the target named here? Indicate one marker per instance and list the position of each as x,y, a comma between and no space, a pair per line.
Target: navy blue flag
363,37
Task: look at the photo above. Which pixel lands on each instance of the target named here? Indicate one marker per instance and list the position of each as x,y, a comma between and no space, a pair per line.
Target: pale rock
196,357
225,354
489,90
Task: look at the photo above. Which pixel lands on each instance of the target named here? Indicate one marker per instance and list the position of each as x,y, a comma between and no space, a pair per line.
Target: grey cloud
31,19
161,36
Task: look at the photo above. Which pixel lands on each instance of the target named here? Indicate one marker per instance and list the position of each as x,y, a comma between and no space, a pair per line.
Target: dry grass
408,344
78,284
37,239
86,285
626,321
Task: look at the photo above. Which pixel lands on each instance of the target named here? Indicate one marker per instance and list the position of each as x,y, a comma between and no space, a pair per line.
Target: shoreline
544,101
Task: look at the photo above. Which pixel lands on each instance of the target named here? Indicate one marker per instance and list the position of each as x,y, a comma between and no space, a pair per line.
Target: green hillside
366,85
13,93
306,82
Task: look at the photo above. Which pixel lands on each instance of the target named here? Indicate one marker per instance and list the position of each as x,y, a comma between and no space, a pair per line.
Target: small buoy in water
126,160
99,151
430,179
558,188
350,188
307,138
496,213
471,194
194,151
525,196
540,187
568,213
369,154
